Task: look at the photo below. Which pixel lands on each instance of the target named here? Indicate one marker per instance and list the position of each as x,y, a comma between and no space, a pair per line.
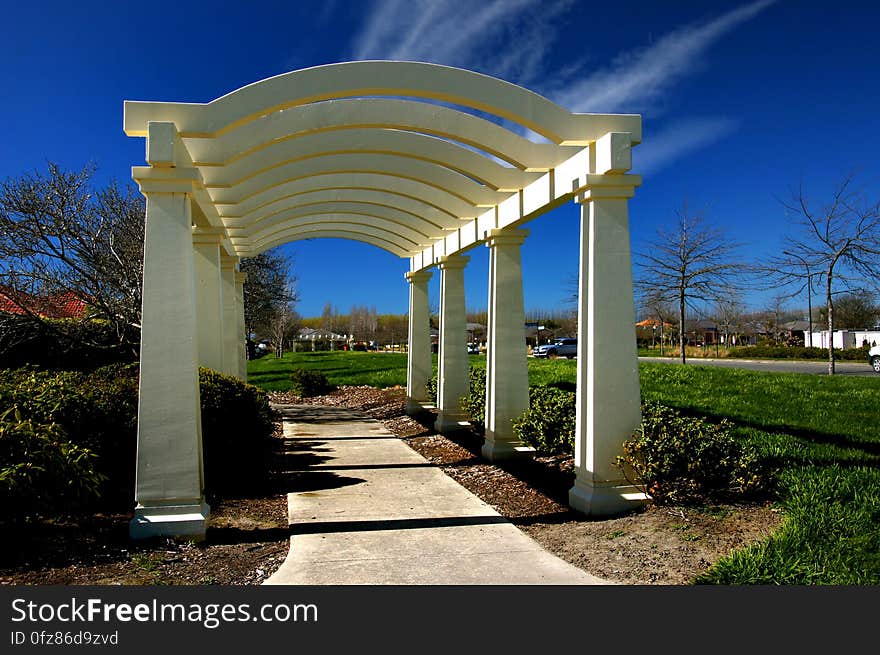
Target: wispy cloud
680,139
490,39
438,31
636,79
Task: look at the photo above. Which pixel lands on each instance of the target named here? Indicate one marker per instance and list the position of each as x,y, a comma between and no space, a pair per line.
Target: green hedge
307,383
548,425
797,352
96,413
63,344
689,460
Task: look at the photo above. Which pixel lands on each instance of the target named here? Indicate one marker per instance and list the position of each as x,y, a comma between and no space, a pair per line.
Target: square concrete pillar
228,271
507,375
169,489
608,397
209,302
418,359
240,279
452,373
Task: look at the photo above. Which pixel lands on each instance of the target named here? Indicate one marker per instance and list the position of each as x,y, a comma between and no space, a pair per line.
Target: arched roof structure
362,150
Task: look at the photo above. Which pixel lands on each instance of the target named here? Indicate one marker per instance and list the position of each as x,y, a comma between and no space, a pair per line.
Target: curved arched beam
367,212
371,141
369,78
352,235
432,217
468,190
431,196
408,115
407,236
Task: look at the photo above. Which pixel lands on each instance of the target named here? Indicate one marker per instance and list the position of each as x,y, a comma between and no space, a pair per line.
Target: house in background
58,305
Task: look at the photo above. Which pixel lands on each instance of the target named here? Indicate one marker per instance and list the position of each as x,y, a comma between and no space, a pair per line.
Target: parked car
473,349
874,358
558,348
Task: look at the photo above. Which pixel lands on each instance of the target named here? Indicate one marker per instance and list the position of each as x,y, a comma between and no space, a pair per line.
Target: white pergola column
170,480
209,303
228,271
507,378
240,279
452,373
418,359
608,399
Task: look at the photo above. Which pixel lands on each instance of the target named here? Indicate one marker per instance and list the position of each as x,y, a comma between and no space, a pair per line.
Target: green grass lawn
819,432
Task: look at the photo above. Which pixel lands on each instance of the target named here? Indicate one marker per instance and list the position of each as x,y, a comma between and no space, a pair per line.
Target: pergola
380,152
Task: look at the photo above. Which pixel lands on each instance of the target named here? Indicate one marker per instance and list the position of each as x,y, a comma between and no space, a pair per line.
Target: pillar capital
506,237
166,180
418,277
228,262
207,235
452,262
607,187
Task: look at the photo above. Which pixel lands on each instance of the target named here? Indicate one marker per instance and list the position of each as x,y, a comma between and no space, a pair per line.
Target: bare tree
838,242
728,314
59,236
268,288
282,327
690,265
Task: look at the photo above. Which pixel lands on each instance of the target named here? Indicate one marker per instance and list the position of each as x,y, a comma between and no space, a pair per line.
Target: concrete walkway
369,510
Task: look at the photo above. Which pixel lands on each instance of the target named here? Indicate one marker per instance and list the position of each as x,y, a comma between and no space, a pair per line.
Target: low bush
679,459
474,403
548,425
236,434
41,470
306,383
97,413
63,344
797,352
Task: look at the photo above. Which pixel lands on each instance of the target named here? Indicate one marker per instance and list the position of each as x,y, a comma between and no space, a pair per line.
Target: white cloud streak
638,78
490,38
679,139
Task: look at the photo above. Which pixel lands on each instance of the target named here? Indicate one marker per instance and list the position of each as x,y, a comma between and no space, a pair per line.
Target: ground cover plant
817,432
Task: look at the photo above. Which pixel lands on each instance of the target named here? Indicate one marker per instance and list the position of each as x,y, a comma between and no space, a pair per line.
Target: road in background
862,369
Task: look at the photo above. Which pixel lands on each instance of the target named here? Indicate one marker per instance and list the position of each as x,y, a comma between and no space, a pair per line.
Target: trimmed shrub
64,344
41,470
548,425
307,383
679,459
474,403
236,434
98,414
797,352
431,388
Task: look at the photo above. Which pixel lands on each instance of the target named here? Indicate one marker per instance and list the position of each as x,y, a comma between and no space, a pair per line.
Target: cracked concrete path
369,510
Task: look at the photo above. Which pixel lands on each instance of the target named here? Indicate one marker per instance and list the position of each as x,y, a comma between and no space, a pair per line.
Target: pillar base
496,451
414,407
605,500
449,422
187,521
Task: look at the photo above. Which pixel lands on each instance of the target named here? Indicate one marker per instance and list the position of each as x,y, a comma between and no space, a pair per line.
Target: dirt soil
248,538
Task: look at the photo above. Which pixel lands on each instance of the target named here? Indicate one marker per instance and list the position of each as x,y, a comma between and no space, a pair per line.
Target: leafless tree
269,288
282,326
728,314
689,265
59,236
837,241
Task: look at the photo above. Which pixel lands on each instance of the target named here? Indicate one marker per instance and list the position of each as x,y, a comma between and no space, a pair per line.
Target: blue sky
741,101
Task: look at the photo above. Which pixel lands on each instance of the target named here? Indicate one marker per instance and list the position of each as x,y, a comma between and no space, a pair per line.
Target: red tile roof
59,305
